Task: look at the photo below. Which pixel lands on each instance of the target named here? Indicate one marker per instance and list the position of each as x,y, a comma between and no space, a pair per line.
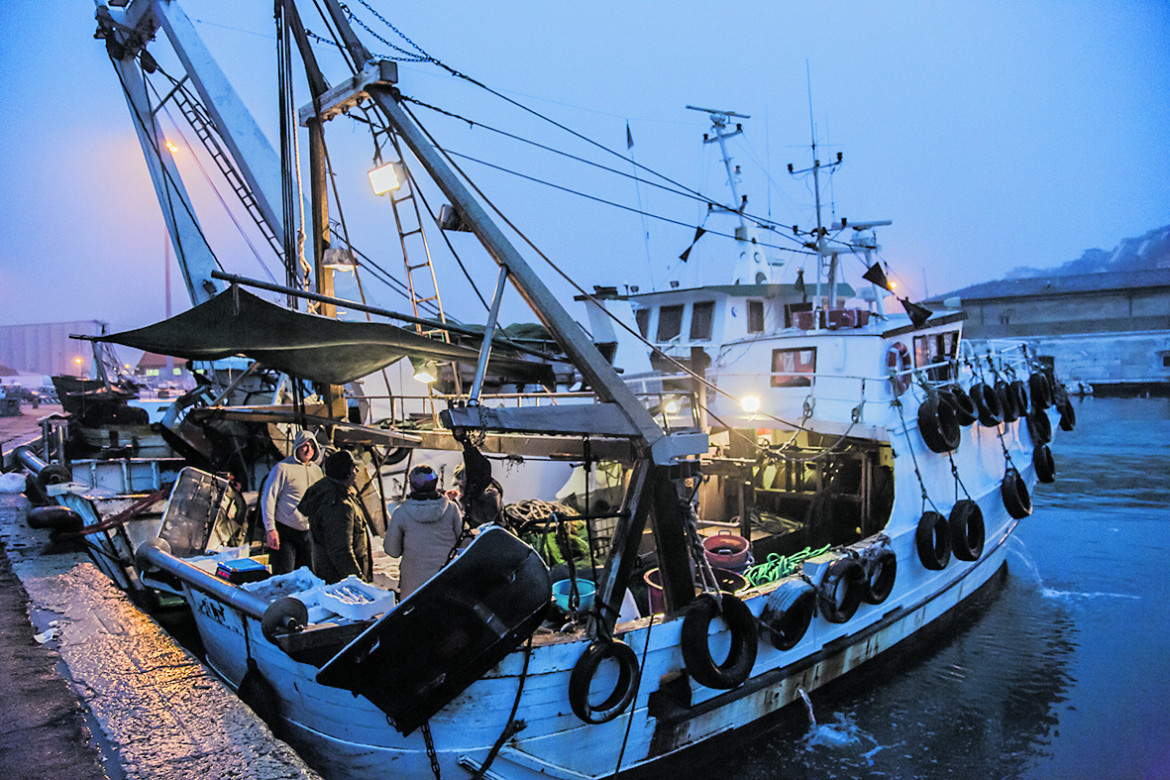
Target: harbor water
1060,671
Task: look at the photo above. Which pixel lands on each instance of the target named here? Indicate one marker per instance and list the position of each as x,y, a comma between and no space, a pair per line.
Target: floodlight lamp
425,371
750,403
387,178
338,259
672,406
172,147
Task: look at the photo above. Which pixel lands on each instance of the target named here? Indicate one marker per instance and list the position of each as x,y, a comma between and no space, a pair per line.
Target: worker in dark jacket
337,522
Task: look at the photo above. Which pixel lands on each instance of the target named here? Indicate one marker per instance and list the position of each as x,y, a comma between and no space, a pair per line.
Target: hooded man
423,530
337,522
286,529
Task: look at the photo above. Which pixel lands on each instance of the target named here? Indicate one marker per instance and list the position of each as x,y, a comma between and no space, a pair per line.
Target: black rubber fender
1039,426
1007,402
1019,393
841,589
696,648
787,614
967,530
1068,415
1015,495
881,570
1040,390
987,402
1044,463
582,677
933,540
965,410
59,518
938,425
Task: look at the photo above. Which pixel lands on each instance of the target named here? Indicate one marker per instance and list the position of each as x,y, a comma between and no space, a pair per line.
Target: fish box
357,600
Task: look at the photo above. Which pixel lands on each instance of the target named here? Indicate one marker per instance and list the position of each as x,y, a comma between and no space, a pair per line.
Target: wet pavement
93,688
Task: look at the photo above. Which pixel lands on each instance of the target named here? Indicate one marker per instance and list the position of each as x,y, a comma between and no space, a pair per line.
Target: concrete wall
46,348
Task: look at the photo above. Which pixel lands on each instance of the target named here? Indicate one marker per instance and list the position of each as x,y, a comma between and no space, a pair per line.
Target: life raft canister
898,366
696,647
938,425
933,541
841,589
787,614
1015,495
581,679
987,402
967,530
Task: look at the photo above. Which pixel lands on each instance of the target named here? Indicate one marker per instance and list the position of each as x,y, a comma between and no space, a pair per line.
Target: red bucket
727,551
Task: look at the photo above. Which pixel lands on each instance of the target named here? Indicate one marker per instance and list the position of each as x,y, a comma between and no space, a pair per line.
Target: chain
431,754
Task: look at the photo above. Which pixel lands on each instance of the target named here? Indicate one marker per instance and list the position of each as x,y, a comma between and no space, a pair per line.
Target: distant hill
1147,253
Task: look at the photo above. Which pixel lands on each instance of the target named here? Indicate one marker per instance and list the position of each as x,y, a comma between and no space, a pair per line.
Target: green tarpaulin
320,349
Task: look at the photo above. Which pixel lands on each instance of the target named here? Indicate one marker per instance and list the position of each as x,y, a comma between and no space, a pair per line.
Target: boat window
642,317
702,315
669,322
755,312
793,367
933,352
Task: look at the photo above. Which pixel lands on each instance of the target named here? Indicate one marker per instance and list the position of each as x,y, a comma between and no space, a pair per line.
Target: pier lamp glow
425,371
750,403
387,178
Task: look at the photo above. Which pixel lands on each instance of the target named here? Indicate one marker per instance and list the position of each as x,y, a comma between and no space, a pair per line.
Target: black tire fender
938,425
987,402
586,667
1044,463
1007,402
1019,393
787,614
1015,495
881,570
967,530
933,540
1039,426
1040,390
965,410
1068,415
841,589
696,648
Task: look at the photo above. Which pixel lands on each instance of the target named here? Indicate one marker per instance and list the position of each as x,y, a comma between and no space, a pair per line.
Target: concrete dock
92,687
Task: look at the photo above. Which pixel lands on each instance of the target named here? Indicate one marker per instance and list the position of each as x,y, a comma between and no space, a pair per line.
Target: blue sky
993,134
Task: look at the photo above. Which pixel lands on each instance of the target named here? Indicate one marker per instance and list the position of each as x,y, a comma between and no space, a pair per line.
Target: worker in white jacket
286,530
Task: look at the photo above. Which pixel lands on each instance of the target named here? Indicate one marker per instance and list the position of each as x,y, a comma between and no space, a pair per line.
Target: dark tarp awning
237,322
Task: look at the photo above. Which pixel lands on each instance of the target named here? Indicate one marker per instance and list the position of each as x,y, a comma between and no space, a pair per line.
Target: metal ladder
204,128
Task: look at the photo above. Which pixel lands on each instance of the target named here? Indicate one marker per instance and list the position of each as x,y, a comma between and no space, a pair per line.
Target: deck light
172,147
672,406
338,259
387,178
750,404
425,371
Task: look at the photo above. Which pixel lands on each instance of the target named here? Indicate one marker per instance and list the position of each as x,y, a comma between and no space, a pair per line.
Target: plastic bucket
562,588
729,582
727,551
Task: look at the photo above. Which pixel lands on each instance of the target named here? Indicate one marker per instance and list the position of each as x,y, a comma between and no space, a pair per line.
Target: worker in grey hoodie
424,529
286,530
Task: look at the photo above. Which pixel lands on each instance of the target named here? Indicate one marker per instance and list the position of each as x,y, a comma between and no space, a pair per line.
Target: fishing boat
806,480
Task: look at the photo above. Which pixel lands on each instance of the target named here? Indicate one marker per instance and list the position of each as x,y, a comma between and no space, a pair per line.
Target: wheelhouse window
669,322
702,316
642,317
755,312
933,349
793,367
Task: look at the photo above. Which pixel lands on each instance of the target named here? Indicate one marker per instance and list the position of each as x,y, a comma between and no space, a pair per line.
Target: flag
629,137
699,231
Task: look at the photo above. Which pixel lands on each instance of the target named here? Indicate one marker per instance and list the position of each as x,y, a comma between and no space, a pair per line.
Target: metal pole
489,332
